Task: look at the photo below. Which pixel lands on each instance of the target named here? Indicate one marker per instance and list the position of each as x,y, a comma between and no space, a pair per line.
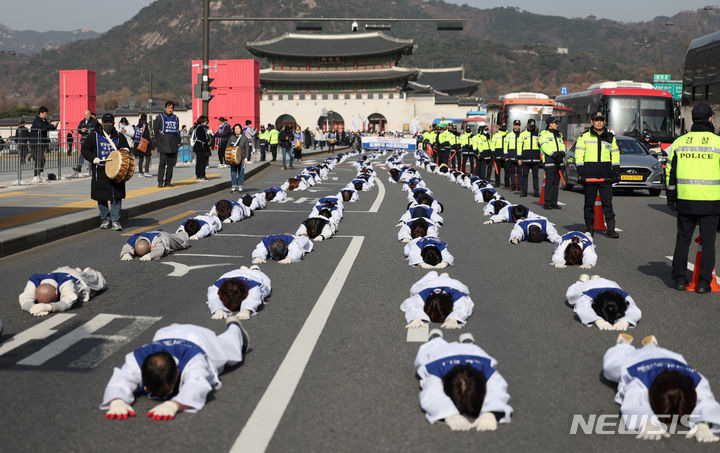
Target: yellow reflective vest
597,154
550,144
693,173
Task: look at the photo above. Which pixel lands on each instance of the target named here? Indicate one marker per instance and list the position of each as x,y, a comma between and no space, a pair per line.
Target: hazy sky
102,15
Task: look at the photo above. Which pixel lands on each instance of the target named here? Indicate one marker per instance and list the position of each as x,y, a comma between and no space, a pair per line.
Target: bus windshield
633,115
525,112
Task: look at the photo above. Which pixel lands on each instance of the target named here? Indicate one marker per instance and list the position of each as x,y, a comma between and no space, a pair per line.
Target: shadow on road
659,269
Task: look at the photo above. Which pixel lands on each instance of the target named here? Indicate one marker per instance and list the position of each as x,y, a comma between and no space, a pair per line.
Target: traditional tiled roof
339,45
448,80
342,76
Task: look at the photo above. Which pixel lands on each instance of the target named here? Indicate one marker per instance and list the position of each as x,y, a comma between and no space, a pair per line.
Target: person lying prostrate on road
59,290
275,194
602,302
427,200
459,380
359,184
294,184
332,212
259,201
395,174
413,183
493,207
440,299
317,228
200,226
153,245
421,211
428,253
575,249
657,388
417,228
535,231
349,195
332,200
249,203
241,290
180,366
283,248
484,195
414,193
308,178
227,211
512,214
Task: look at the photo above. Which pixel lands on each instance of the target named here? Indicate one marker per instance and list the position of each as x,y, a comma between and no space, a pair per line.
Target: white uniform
405,233
161,243
636,369
297,246
72,284
302,185
236,215
258,289
199,370
280,194
413,250
335,214
418,183
410,214
327,232
210,224
353,197
414,305
506,216
259,201
411,194
581,294
435,206
436,358
489,208
586,242
520,229
479,195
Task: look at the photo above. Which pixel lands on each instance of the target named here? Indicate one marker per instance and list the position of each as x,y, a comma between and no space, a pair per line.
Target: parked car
639,169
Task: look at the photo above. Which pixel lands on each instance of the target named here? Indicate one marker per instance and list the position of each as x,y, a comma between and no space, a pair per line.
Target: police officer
483,153
465,140
445,140
496,146
693,191
167,134
455,152
263,142
553,153
511,145
597,156
272,138
530,159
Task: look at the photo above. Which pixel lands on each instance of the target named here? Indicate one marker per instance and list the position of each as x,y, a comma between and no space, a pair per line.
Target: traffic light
206,96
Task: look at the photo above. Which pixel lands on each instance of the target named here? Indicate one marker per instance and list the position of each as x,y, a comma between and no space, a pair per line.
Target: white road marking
287,199
300,200
418,335
38,332
333,178
180,270
112,343
662,196
380,196
260,427
561,203
243,235
208,255
691,266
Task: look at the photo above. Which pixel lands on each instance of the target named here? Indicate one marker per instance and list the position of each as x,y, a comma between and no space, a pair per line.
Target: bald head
46,293
142,247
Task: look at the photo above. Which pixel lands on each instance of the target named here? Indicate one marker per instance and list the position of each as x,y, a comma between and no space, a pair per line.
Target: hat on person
550,120
598,116
702,112
531,121
108,118
516,123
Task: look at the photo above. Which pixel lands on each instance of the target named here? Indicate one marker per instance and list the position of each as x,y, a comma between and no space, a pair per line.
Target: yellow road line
10,194
70,208
162,222
53,195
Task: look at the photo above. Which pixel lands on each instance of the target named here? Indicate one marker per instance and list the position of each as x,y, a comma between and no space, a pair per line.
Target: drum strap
112,143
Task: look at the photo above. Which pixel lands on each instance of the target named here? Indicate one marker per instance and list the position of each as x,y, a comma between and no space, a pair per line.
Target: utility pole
206,59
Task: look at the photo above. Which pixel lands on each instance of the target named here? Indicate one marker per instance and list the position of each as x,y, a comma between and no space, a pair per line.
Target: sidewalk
35,214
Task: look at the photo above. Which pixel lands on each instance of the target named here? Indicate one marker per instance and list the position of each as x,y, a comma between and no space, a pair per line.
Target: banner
408,144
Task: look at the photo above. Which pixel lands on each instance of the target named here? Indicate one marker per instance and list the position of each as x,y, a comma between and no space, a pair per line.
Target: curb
81,222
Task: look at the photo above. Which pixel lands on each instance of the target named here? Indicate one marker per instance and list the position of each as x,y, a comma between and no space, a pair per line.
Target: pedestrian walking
142,146
201,147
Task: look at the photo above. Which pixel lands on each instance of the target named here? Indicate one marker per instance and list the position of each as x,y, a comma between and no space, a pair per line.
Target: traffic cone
714,287
599,216
541,201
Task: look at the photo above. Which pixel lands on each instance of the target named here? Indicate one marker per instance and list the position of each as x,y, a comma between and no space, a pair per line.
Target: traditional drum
298,146
233,155
332,141
120,165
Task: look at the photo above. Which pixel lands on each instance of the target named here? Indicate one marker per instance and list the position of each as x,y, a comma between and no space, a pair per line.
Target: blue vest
421,211
648,370
443,366
202,222
525,224
584,241
149,236
511,217
59,277
594,292
454,294
267,240
486,189
182,350
104,147
138,133
419,189
275,189
249,283
170,124
427,242
429,223
332,200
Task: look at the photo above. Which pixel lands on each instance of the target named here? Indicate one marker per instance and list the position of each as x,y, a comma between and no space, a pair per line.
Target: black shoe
547,206
703,287
523,195
556,206
535,194
160,185
612,234
680,283
167,184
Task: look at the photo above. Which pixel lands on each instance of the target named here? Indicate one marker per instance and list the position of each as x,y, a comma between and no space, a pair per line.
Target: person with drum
201,147
235,156
97,149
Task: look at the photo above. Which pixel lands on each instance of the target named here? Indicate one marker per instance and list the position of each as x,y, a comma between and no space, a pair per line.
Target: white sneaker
239,188
36,179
